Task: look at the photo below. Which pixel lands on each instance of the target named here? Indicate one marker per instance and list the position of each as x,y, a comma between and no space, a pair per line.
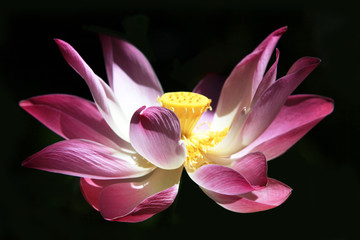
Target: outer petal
91,189
221,179
243,81
141,198
254,168
130,75
265,109
73,117
273,195
210,86
102,93
88,159
155,134
298,115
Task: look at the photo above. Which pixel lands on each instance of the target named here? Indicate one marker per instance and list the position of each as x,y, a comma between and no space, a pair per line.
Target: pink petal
268,79
273,99
210,86
141,198
155,134
243,81
273,195
128,69
265,109
83,158
253,168
151,205
102,93
221,179
91,189
298,115
73,117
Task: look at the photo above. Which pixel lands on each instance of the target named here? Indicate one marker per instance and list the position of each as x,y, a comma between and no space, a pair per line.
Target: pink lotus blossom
130,146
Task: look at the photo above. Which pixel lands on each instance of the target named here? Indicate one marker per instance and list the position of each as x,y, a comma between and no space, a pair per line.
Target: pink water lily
131,144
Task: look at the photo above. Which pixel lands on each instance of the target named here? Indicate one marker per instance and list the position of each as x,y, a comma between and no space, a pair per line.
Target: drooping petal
210,86
220,179
101,92
298,115
265,109
83,158
243,81
73,117
155,134
273,195
130,74
140,198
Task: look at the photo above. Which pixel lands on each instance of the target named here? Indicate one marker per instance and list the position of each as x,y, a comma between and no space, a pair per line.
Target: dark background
184,42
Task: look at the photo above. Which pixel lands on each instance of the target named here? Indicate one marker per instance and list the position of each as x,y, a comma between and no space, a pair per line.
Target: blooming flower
130,146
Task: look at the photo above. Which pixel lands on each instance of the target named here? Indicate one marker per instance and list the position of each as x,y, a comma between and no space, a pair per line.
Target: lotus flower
131,145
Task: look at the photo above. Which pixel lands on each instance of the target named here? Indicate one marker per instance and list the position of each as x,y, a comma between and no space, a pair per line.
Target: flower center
198,144
189,107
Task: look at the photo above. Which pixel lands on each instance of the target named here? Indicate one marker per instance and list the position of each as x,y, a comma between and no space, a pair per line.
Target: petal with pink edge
243,82
73,117
91,189
138,199
298,115
273,99
210,86
221,179
83,158
101,92
273,195
253,167
268,79
130,74
265,109
155,134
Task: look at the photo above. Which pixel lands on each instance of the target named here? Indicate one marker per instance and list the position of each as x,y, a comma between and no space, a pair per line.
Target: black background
183,41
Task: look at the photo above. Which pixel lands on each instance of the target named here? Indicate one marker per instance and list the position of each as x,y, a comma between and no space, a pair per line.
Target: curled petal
101,92
298,115
73,117
138,199
254,168
155,134
88,159
273,195
91,189
243,81
221,179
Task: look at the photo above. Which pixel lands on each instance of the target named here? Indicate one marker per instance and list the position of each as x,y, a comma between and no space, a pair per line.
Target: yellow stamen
198,144
187,106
